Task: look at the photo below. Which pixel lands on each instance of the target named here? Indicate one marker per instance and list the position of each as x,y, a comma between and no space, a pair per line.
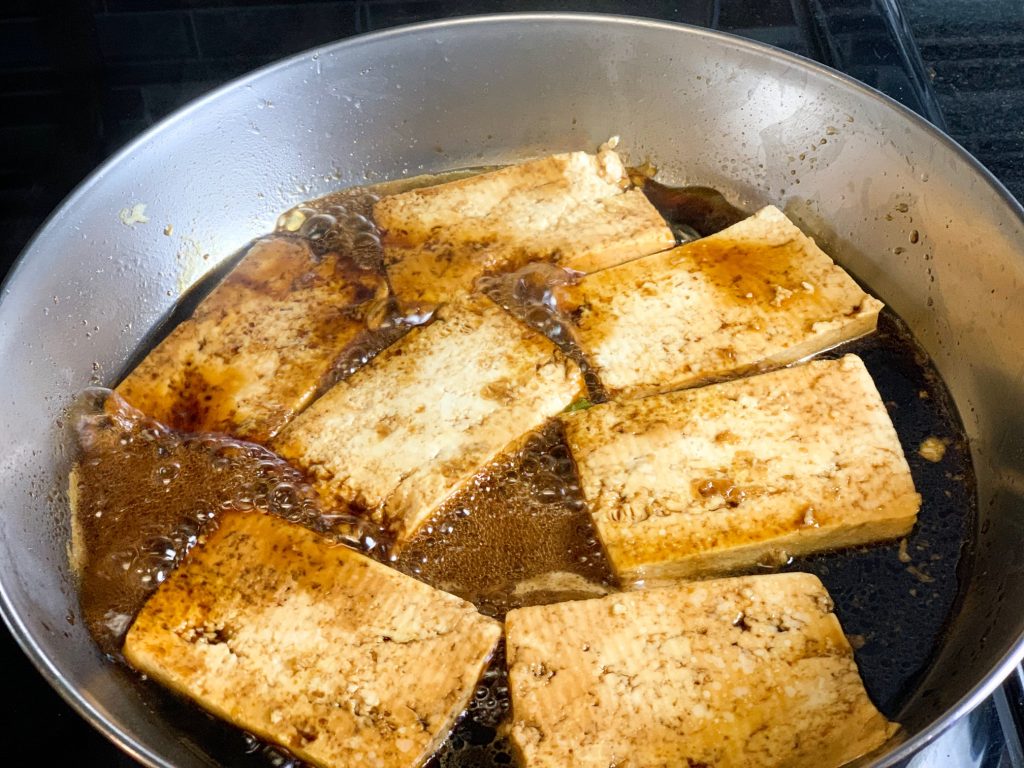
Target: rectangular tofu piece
748,672
313,646
573,209
394,440
757,295
256,350
711,480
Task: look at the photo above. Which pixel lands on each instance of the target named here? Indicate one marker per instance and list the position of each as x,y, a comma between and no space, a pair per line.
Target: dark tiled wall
974,52
78,80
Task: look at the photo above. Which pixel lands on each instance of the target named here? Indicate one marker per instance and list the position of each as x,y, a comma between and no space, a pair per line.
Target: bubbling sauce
518,533
146,494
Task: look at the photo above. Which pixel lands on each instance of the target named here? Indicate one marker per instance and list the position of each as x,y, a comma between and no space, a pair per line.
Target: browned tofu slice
257,349
749,672
308,644
398,437
711,480
573,209
757,295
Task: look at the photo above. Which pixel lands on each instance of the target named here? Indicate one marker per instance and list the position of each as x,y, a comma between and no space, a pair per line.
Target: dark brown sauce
146,494
517,535
690,211
498,540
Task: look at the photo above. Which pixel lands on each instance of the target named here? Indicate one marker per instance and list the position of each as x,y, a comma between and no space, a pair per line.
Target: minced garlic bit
932,449
610,164
920,575
134,215
903,554
781,294
646,170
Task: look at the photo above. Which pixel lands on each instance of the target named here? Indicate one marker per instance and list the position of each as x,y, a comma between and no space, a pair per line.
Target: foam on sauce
518,534
146,494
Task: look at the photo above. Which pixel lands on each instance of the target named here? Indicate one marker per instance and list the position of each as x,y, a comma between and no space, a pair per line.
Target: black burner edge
903,38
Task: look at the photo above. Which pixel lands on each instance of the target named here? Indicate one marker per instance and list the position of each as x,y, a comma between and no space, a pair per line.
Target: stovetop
78,80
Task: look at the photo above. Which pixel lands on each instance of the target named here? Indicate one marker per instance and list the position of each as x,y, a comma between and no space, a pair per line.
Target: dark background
79,79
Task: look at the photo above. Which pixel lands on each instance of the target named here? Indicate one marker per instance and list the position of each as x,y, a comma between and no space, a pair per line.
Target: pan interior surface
900,206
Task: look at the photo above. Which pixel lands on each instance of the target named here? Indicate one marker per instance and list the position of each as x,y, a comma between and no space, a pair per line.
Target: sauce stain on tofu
573,209
398,437
750,672
757,295
717,479
341,660
256,350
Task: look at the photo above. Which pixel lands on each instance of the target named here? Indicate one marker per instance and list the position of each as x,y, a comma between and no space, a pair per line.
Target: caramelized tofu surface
757,295
399,436
749,672
574,210
712,480
257,349
339,659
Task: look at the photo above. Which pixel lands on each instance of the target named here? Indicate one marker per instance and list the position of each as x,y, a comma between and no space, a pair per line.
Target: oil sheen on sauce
518,534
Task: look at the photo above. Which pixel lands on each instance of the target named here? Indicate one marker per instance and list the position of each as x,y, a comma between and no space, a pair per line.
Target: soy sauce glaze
518,533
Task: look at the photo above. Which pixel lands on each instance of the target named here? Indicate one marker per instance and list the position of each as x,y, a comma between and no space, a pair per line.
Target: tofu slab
399,436
256,350
573,209
749,672
757,295
313,646
711,480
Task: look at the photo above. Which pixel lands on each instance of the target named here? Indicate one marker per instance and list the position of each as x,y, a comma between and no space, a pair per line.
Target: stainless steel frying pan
898,203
